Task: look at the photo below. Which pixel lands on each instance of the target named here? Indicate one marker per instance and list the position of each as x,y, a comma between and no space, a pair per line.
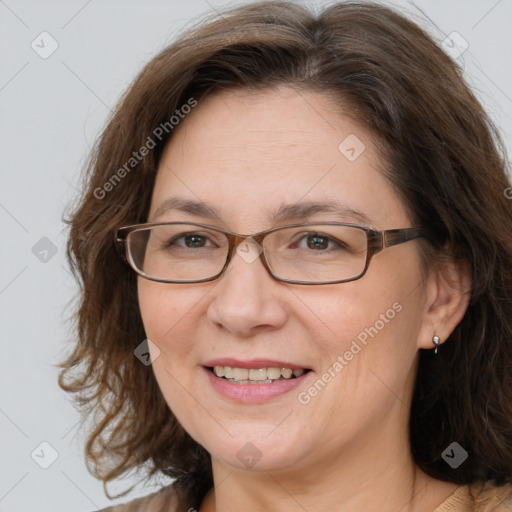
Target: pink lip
253,363
252,393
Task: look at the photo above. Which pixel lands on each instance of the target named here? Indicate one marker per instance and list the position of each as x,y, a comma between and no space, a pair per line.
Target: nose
247,299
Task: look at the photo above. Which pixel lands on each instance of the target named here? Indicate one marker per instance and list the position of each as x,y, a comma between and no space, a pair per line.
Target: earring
436,339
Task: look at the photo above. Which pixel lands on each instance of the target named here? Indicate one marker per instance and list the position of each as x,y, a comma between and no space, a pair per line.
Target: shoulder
479,497
490,498
168,499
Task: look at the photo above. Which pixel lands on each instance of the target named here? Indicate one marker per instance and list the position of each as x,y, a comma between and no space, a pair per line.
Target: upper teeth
256,373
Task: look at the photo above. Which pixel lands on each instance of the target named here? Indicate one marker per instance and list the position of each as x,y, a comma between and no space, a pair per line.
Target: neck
376,474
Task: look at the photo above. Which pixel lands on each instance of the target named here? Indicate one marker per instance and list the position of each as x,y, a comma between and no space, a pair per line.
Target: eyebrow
299,210
308,208
198,208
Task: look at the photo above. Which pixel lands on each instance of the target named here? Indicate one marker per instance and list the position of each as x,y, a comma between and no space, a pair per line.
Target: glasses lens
178,252
317,253
314,253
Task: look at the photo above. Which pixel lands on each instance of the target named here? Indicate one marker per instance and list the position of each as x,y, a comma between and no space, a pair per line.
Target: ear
447,294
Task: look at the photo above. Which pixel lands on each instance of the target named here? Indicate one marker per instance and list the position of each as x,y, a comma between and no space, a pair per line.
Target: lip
252,393
253,363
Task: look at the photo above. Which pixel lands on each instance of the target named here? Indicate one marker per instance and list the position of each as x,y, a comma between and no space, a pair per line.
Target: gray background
51,110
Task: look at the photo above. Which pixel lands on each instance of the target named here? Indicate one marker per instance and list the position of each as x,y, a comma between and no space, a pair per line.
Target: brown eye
190,240
194,241
318,242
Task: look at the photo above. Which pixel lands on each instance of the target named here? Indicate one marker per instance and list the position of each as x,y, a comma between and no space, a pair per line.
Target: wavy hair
443,156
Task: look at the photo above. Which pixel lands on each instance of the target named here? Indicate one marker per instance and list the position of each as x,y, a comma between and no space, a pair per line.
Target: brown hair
444,157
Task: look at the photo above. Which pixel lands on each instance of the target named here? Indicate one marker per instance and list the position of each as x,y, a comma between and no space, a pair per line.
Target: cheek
366,355
372,320
167,316
349,311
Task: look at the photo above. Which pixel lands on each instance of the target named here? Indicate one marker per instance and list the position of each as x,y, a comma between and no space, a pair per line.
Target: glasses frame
377,241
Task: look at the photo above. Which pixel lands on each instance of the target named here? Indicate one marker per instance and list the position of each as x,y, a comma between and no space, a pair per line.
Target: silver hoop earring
436,339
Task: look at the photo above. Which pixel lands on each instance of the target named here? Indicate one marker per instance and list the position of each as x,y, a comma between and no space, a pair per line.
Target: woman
314,311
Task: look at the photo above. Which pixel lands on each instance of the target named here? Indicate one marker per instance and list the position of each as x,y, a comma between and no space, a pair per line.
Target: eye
321,242
191,240
317,241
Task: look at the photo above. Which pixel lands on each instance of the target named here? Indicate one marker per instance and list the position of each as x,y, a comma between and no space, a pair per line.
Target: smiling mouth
257,375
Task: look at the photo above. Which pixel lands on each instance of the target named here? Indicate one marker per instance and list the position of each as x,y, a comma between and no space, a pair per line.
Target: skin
247,153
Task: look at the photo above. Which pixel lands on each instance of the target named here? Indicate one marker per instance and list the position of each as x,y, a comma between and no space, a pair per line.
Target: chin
256,452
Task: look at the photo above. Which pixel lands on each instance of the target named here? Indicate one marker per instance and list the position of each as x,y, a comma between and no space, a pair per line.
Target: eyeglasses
307,253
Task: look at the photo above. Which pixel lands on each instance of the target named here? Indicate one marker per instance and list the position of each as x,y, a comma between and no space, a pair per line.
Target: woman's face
245,155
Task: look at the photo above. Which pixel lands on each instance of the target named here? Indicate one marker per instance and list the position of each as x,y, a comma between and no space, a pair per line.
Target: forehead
249,152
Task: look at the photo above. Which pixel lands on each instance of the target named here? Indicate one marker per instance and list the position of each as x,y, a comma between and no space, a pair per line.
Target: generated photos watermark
454,455
305,397
161,131
147,352
454,45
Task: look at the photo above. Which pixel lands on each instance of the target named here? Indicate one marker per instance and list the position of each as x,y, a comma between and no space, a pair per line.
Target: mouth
256,380
263,375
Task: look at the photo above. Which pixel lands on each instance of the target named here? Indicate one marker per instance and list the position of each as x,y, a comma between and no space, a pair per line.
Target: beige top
474,498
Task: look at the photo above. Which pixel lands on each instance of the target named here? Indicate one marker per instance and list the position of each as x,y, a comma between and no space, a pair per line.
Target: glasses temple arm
399,236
